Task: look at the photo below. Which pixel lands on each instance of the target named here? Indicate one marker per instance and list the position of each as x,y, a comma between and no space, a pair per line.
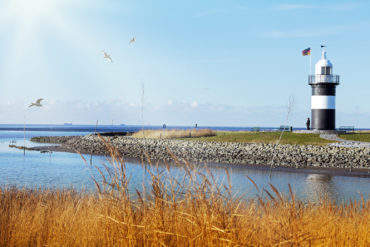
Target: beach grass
70,218
174,133
265,137
363,137
191,210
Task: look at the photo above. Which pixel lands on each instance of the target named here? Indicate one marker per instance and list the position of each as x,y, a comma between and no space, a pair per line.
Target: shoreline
331,171
291,158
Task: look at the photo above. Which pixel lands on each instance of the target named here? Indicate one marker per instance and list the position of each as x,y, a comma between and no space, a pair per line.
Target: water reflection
319,186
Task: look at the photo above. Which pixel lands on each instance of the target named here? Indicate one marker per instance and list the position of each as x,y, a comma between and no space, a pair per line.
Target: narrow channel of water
63,170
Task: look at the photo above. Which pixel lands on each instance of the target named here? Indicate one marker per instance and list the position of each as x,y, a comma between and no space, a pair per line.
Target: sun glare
37,30
31,11
28,20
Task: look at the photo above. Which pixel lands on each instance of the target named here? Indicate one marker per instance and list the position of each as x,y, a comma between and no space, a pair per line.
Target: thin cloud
213,61
285,7
344,6
332,7
276,34
212,12
179,113
220,11
315,32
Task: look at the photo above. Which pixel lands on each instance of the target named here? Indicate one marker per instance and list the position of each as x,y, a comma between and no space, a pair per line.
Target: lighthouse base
323,119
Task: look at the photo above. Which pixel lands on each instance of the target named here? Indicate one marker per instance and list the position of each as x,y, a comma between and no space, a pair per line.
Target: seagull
37,103
132,41
107,56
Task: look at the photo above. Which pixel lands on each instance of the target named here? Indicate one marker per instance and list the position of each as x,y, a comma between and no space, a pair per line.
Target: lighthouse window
326,70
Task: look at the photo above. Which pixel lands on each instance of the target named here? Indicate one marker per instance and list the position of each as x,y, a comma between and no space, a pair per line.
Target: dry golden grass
174,133
362,131
174,212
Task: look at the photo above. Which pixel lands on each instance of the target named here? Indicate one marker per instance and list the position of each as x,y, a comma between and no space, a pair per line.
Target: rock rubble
297,156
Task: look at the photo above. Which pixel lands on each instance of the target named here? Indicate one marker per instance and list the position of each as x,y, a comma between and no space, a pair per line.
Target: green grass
363,137
264,137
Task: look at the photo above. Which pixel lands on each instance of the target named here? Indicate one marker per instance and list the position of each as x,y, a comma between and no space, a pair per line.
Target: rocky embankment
52,139
297,156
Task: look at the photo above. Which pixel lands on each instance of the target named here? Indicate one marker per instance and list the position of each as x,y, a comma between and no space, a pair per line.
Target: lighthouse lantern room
323,84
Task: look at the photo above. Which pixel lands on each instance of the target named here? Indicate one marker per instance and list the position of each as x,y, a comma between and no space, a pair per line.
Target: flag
306,52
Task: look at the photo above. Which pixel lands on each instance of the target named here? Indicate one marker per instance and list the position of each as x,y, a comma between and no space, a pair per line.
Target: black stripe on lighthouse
323,119
323,106
323,89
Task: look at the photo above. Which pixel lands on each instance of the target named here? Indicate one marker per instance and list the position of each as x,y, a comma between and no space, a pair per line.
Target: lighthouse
323,84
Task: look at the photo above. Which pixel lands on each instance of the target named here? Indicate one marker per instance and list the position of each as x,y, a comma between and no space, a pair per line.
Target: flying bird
322,46
37,103
107,56
132,41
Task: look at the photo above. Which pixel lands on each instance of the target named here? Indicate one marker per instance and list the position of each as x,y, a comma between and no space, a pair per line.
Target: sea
61,170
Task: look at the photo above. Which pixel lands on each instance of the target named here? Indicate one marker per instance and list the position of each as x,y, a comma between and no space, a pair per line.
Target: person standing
308,122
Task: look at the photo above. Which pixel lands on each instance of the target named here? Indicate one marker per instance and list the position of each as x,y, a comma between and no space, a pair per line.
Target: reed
190,210
174,133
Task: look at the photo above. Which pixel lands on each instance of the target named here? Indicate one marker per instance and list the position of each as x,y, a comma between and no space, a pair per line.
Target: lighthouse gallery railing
315,79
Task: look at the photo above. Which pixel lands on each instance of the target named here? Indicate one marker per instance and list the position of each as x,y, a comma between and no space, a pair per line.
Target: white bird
132,41
37,103
107,56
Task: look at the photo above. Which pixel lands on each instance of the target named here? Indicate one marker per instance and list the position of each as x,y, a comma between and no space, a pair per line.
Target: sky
214,63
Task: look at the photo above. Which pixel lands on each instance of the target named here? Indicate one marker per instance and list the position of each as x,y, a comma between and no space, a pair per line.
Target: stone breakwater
297,156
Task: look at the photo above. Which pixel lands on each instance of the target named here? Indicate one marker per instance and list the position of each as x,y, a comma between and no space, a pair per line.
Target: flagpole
24,136
310,64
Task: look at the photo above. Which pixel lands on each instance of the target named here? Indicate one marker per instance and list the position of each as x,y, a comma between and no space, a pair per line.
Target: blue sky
233,63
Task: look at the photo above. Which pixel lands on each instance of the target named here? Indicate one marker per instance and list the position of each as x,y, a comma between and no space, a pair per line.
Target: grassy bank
191,211
363,137
265,137
234,136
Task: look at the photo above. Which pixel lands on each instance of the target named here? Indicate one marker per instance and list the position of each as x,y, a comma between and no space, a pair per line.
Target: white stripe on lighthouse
322,102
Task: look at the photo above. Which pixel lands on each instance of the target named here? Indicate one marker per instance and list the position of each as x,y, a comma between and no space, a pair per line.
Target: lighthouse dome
323,66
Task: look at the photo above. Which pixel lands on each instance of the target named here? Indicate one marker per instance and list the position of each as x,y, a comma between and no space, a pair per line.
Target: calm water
63,170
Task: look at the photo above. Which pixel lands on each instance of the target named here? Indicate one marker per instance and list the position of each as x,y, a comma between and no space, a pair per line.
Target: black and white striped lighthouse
323,84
